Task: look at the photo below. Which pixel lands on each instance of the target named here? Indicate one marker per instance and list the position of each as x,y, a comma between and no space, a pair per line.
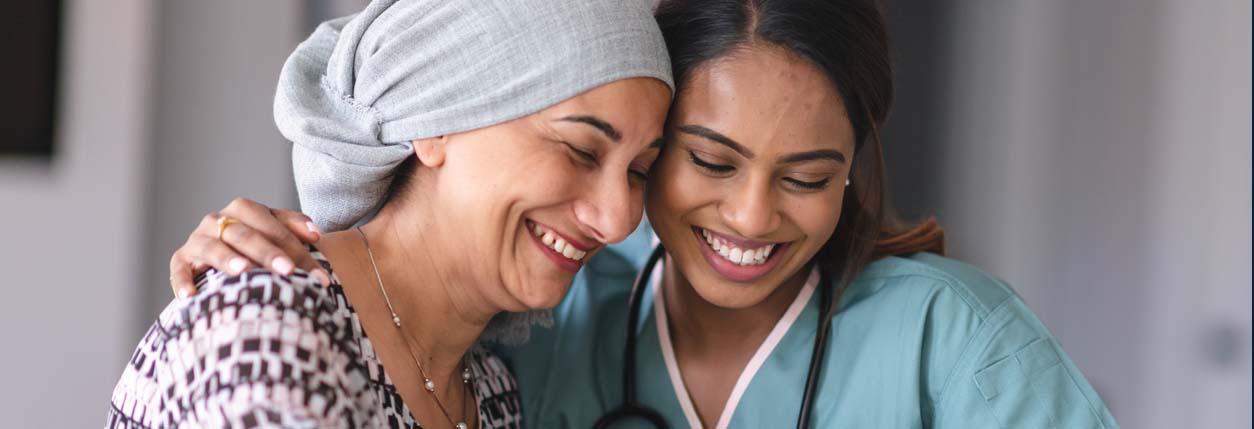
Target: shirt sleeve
256,350
1013,374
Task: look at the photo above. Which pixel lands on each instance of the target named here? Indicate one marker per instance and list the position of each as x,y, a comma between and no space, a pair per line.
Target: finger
210,252
242,239
298,224
303,228
181,277
261,219
308,263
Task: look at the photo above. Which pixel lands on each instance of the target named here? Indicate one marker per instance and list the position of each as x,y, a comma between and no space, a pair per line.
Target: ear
431,150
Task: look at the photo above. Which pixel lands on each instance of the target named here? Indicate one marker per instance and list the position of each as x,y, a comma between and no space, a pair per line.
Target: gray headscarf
362,87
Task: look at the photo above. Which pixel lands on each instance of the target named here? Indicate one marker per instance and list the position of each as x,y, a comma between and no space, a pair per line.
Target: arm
259,236
1013,374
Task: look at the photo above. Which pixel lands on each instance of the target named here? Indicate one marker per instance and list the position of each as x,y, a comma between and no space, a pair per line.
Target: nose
750,210
609,209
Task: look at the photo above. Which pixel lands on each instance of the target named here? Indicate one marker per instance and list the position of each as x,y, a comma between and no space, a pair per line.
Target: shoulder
257,347
937,310
976,291
985,355
260,295
223,301
947,306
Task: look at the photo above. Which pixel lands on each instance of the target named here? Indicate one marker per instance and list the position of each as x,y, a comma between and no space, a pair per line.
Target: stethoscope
631,409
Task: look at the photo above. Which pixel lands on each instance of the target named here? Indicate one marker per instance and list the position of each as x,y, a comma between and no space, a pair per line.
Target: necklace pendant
461,425
396,320
430,385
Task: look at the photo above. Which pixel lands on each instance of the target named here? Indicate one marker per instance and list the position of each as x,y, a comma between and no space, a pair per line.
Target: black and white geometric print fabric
260,350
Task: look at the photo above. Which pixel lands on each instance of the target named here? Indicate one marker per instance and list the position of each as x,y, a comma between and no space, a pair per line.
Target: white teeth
735,254
558,244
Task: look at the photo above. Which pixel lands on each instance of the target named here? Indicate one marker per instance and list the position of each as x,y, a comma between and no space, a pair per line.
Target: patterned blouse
262,350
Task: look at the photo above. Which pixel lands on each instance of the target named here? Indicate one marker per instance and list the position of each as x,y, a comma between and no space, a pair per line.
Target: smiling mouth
736,255
553,241
557,247
736,259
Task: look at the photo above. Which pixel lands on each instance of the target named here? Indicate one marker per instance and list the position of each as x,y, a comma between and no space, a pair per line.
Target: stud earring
846,182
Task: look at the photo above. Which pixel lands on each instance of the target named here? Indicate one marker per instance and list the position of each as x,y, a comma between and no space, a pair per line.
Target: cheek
549,176
818,217
676,188
529,174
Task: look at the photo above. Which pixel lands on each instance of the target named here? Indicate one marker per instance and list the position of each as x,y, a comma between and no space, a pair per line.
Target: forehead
635,107
764,97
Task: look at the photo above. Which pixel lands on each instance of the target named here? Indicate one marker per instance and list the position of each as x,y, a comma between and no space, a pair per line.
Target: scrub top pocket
1016,389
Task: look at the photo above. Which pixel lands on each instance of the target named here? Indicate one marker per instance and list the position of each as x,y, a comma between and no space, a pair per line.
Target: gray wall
166,117
72,230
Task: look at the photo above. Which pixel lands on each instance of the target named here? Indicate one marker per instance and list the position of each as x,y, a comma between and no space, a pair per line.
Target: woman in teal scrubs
778,104
769,199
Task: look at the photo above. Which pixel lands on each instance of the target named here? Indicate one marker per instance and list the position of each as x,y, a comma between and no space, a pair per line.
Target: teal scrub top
919,341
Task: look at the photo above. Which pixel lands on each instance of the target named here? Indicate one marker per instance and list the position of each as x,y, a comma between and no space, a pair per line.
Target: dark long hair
848,42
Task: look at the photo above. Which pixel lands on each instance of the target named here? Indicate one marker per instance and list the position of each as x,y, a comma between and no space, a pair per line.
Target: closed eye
712,167
640,176
808,185
582,154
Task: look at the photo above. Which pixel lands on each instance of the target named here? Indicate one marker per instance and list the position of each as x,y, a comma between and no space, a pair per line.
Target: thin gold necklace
427,383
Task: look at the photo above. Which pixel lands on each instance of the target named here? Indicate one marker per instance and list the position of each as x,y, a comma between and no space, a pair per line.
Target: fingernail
184,293
323,277
237,265
283,265
313,228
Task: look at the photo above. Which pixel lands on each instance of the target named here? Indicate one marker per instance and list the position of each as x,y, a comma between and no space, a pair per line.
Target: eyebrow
743,151
657,144
714,136
597,123
814,155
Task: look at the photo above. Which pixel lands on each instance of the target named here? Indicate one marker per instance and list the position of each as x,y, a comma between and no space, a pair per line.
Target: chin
542,295
725,294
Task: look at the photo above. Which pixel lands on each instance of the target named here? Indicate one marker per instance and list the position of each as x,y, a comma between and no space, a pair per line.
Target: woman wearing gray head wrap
498,143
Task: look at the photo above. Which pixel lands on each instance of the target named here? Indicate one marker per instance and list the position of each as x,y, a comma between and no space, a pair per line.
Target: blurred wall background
1095,154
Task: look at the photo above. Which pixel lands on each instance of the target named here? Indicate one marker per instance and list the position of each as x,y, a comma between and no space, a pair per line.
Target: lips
732,252
739,259
565,252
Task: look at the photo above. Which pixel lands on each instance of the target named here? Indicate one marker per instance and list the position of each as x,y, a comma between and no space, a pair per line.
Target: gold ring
223,222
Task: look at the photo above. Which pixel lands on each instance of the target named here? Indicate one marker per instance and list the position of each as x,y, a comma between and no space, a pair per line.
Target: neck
439,302
701,325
